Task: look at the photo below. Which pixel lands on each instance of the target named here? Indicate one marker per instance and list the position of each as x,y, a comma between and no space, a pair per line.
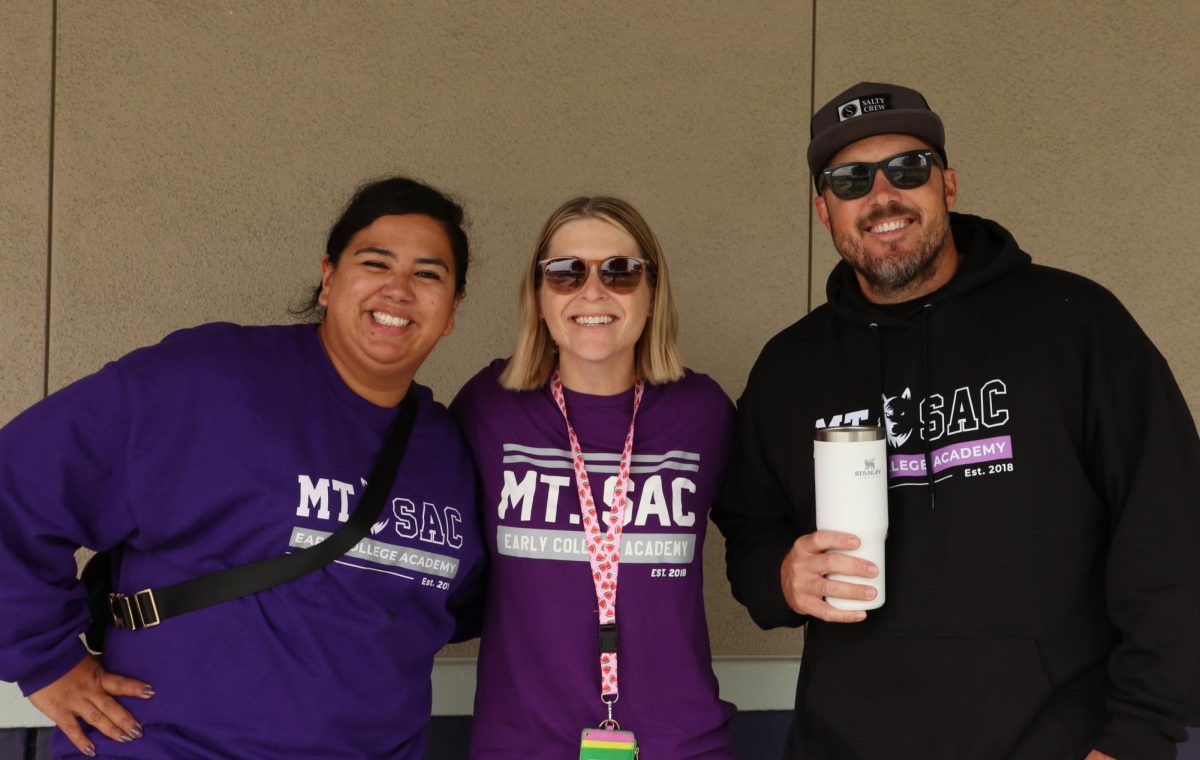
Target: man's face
897,241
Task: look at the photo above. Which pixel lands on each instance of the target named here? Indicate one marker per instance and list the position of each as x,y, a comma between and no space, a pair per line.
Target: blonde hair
656,356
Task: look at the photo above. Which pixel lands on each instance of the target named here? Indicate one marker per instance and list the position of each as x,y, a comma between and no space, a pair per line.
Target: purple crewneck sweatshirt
217,447
538,682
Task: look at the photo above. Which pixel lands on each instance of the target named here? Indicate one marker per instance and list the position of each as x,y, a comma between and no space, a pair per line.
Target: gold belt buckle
130,611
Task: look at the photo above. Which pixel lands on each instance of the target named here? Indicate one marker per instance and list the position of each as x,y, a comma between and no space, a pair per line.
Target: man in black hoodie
1043,580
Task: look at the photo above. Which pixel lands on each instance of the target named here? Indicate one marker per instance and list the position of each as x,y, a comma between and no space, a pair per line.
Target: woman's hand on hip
86,692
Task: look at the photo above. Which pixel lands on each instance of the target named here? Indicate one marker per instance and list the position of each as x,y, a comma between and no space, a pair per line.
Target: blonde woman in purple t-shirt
599,456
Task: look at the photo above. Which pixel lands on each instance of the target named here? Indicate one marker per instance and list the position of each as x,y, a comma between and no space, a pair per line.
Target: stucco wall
26,58
201,150
1064,121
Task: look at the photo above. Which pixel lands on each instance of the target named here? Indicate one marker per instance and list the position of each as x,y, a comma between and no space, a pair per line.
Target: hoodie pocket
982,698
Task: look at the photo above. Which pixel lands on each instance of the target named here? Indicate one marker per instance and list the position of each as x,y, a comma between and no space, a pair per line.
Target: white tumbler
850,473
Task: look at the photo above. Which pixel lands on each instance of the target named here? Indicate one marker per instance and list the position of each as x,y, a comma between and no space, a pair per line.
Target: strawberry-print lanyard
603,547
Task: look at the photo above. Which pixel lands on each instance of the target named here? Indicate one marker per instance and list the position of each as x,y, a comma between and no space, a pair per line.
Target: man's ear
822,209
950,187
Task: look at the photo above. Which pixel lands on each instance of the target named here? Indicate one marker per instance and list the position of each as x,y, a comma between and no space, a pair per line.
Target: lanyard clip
609,723
608,638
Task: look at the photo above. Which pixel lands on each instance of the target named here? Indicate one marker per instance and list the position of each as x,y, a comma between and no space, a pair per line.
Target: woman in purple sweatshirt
599,456
226,444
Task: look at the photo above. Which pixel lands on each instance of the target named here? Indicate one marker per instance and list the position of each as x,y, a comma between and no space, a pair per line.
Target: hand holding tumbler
850,473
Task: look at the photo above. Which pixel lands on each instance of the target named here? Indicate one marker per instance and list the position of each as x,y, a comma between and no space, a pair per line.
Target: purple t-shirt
217,447
539,682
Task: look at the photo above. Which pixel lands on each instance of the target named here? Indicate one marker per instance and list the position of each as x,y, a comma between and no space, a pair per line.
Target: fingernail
873,571
89,750
124,738
136,731
870,593
148,691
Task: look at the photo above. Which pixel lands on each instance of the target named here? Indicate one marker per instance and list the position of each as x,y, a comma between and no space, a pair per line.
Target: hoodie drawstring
927,353
926,386
879,363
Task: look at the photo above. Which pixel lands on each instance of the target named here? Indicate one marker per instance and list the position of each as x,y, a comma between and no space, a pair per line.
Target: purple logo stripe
956,455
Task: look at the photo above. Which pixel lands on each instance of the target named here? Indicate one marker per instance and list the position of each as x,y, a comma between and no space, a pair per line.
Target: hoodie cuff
1128,738
770,608
53,667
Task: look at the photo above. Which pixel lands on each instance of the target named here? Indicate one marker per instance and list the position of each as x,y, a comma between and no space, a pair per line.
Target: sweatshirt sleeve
1145,457
467,602
62,486
754,514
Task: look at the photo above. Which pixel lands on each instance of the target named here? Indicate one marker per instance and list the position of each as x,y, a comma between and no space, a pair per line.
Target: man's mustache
879,213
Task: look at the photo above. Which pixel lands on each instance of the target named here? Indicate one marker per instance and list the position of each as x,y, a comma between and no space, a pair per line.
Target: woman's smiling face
388,301
595,328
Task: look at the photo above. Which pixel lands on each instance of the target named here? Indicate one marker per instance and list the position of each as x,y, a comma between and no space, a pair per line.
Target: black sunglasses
620,274
904,170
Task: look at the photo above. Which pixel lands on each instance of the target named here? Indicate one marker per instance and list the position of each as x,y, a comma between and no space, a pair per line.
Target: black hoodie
1043,586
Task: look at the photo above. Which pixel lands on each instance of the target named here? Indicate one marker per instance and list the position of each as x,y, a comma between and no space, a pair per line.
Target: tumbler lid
850,433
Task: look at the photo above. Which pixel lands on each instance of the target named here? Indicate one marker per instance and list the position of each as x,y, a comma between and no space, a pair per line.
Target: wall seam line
50,199
812,104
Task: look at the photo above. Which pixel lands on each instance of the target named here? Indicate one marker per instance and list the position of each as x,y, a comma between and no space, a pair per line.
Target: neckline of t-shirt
581,400
334,382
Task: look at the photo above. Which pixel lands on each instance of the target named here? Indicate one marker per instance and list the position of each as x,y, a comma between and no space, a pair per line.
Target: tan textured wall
203,148
26,45
1063,120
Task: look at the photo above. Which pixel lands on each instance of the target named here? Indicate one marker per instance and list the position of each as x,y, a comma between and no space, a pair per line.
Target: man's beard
893,274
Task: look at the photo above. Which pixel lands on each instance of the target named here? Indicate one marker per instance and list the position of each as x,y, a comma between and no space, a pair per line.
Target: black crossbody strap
149,607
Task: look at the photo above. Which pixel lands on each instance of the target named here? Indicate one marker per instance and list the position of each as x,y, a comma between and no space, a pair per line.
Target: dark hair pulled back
396,196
